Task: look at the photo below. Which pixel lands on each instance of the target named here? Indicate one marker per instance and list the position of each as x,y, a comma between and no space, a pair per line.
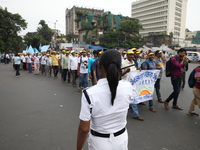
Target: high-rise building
70,16
161,16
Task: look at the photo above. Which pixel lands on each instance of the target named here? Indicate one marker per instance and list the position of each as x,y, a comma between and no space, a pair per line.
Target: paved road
40,113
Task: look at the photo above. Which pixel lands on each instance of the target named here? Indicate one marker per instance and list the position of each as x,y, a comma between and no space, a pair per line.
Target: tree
10,26
45,31
43,35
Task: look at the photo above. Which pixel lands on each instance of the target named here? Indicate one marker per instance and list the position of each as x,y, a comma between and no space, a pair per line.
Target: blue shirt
90,62
95,67
17,60
148,65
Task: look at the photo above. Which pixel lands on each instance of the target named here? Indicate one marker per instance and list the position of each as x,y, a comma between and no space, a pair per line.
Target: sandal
152,109
177,107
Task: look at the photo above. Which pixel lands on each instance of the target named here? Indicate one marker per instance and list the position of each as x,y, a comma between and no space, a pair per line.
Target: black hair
181,50
95,52
157,52
111,61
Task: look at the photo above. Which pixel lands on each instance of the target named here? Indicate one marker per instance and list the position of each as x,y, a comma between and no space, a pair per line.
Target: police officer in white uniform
105,115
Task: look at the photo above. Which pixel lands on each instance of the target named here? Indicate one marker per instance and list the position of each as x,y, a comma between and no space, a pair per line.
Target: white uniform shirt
49,61
73,63
28,59
83,64
126,63
23,59
43,60
36,59
105,117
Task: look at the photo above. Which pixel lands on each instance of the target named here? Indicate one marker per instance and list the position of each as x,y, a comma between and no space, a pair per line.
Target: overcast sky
51,10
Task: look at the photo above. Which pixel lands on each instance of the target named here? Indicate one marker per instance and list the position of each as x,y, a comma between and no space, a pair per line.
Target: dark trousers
17,70
183,80
176,83
24,66
65,74
55,71
43,69
74,76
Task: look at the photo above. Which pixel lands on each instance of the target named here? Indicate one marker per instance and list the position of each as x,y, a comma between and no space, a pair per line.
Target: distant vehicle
193,56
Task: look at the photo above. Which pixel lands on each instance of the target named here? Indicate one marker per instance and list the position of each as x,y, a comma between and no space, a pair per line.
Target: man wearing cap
95,70
43,64
131,66
123,56
160,66
64,65
72,67
29,62
55,64
149,64
82,71
90,63
36,63
196,92
137,60
60,61
48,65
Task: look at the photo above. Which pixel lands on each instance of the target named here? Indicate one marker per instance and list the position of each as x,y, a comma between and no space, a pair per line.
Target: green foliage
127,36
43,35
10,26
70,37
130,27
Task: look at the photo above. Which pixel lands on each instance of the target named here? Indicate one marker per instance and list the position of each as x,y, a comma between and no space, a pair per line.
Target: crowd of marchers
80,68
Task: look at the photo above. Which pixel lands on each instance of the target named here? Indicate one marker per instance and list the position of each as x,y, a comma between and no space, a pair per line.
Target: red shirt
177,66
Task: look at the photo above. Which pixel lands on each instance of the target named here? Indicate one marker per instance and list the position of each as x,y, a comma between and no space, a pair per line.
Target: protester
64,65
95,71
82,71
49,65
16,62
55,64
196,92
36,64
110,100
90,63
185,69
129,63
149,64
29,62
72,67
177,64
160,66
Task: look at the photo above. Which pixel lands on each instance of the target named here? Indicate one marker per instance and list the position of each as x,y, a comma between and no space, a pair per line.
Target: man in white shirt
43,64
129,63
48,65
29,62
82,71
72,67
36,63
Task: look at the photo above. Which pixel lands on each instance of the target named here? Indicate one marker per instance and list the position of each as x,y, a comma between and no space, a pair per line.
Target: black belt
106,135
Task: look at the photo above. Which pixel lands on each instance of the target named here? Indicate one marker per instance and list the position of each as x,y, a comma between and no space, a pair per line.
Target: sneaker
139,118
193,114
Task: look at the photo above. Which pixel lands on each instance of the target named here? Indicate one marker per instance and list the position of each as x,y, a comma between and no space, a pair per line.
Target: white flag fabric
143,84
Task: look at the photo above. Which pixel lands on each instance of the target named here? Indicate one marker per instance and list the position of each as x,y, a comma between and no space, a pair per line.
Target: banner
143,84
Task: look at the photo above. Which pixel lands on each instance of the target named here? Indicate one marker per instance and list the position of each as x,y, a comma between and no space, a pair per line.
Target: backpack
168,67
191,79
142,65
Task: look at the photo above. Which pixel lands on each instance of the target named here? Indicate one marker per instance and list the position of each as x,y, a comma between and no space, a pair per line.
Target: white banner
143,84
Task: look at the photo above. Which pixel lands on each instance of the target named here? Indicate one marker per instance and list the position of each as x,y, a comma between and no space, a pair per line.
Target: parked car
193,56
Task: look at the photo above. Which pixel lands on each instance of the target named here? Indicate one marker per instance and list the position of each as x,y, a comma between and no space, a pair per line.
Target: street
40,113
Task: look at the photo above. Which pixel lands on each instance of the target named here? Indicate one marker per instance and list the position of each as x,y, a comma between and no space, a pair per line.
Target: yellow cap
133,49
67,51
130,52
124,52
83,51
63,51
151,53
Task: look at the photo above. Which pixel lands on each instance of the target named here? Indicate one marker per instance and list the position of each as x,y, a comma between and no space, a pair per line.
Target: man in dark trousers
177,63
